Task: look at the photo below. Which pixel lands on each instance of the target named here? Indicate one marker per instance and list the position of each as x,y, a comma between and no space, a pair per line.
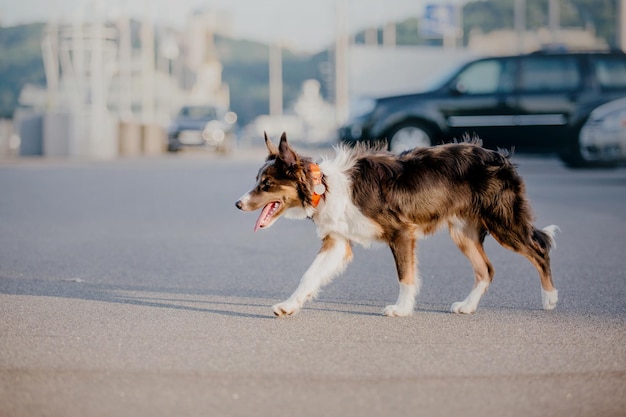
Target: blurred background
103,79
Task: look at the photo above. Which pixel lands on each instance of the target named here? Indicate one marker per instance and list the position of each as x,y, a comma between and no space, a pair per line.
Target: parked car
603,136
533,102
201,126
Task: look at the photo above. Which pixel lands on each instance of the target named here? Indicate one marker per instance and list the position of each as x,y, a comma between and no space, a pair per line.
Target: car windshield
439,79
198,112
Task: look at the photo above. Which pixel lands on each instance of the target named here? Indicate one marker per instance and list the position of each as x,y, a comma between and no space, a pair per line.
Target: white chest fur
337,213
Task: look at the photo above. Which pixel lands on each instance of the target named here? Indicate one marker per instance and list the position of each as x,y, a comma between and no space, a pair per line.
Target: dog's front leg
332,259
403,249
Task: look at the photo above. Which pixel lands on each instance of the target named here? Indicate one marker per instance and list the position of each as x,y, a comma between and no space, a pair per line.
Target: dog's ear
286,154
273,150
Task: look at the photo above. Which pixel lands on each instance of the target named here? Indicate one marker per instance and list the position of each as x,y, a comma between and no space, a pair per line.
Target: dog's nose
239,204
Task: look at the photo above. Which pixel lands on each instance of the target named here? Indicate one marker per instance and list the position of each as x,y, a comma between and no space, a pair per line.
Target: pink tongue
260,222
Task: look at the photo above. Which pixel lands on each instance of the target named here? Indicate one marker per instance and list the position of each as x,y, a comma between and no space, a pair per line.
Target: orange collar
318,186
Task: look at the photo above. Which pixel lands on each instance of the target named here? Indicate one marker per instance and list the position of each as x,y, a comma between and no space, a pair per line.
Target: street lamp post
276,80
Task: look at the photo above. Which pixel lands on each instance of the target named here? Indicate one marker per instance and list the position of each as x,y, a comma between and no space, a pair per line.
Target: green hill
20,63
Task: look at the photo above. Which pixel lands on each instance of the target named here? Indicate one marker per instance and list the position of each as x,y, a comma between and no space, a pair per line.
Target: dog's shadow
182,304
200,301
170,298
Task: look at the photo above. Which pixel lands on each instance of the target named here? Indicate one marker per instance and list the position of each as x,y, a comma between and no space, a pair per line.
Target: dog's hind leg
543,242
469,238
537,251
332,259
403,249
535,245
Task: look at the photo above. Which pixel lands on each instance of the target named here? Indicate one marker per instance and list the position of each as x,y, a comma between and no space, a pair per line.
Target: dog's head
283,185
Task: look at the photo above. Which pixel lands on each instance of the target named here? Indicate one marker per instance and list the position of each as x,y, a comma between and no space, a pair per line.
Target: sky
302,24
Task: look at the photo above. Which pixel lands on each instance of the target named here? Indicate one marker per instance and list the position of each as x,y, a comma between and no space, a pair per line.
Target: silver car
202,126
603,137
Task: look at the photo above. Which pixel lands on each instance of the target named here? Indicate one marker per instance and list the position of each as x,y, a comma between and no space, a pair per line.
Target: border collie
364,195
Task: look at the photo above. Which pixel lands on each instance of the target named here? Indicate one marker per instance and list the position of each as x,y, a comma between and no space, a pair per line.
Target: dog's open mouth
267,215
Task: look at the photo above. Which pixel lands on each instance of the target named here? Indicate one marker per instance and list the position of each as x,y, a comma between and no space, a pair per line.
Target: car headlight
214,132
213,135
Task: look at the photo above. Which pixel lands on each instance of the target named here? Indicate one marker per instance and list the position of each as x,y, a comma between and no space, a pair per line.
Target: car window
481,77
610,71
198,112
545,74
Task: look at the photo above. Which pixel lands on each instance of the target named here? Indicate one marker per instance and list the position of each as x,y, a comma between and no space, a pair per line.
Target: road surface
136,288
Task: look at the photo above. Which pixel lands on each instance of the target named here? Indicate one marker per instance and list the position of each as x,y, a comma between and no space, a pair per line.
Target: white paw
463,307
286,308
549,299
396,310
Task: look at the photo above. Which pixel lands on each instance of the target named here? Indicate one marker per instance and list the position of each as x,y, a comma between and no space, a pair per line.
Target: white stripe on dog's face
243,202
244,198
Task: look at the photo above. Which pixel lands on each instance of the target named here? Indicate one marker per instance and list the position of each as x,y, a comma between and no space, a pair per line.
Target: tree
598,15
20,63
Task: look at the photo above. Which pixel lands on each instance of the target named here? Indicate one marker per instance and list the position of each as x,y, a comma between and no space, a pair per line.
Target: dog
363,195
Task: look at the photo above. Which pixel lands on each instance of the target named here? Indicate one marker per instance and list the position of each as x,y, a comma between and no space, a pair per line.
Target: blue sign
440,20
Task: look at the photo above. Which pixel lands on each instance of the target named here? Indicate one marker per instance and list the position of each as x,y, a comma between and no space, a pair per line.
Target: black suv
534,102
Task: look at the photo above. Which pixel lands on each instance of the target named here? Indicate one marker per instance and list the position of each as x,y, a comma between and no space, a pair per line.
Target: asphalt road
135,288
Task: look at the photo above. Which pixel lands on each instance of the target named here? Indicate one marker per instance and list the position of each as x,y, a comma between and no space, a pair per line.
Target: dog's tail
545,237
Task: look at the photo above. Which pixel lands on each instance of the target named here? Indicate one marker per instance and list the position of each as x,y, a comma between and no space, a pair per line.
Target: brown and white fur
372,195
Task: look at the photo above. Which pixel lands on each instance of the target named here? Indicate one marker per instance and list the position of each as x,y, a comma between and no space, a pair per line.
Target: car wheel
572,157
408,137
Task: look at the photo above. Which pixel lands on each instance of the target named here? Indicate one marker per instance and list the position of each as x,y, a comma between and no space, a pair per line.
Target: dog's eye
266,184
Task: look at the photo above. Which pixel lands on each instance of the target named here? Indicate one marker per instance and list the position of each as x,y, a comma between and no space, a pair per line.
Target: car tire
409,136
571,156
